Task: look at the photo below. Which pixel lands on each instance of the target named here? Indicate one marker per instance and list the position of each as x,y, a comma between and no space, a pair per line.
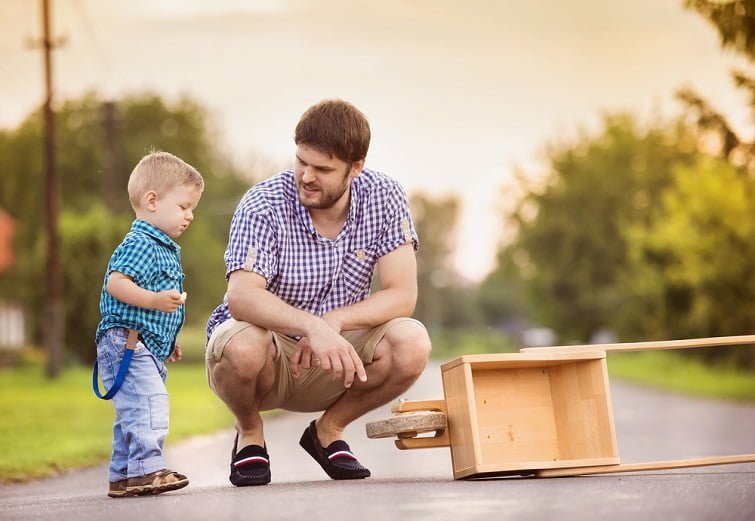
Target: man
298,328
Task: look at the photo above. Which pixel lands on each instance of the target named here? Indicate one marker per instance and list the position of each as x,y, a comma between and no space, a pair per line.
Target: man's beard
327,199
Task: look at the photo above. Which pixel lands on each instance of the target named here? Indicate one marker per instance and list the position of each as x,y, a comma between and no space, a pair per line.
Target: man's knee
245,355
410,347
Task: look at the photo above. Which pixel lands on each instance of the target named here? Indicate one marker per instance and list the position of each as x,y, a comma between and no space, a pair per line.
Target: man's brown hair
335,127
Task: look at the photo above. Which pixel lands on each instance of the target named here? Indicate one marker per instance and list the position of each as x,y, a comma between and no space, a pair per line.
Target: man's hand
167,301
327,349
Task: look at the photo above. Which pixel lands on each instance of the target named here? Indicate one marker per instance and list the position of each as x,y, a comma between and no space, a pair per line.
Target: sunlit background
563,159
578,170
458,94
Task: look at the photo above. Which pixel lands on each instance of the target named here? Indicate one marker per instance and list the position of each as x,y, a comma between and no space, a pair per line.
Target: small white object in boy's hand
183,297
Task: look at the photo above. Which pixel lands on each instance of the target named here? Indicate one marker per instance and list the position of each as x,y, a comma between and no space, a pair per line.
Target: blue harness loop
128,354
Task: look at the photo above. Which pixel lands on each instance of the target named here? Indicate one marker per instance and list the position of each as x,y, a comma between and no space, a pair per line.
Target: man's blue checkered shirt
153,260
272,234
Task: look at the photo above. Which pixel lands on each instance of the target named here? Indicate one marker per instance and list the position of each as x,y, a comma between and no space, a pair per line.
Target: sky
459,95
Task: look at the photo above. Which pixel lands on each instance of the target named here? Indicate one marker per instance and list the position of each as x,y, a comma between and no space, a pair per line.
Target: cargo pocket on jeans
159,411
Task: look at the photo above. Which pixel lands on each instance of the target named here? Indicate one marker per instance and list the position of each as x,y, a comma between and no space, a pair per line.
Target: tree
735,22
441,302
90,175
693,268
569,251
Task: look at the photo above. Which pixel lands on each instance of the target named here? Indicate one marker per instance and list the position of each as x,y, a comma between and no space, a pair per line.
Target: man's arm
397,296
250,301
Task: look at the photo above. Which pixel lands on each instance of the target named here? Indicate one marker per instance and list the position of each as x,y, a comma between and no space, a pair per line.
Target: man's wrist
335,319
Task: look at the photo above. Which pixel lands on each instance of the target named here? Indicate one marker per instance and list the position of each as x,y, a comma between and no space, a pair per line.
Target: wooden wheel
408,424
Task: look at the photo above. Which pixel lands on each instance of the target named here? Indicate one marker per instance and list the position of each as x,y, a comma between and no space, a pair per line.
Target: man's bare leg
242,378
400,358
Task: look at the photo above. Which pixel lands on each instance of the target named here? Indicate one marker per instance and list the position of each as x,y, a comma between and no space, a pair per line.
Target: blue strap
122,369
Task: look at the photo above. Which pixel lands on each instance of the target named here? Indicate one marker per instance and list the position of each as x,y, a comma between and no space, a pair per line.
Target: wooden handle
718,341
639,467
419,405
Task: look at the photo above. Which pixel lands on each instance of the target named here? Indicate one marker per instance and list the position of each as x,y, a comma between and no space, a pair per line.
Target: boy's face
172,211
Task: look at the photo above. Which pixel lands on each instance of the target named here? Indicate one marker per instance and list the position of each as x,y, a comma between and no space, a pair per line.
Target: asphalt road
418,485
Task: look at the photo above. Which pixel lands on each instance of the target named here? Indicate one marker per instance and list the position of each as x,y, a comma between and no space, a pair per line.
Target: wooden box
519,412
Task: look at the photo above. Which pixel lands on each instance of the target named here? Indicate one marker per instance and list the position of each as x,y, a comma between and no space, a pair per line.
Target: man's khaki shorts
314,390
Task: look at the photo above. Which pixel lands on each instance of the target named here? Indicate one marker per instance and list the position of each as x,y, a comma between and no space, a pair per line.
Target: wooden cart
544,411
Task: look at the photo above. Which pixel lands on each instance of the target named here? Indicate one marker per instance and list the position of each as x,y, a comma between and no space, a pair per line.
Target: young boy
142,305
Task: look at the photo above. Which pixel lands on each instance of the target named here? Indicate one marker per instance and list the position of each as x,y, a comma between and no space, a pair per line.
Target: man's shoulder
266,195
374,182
372,178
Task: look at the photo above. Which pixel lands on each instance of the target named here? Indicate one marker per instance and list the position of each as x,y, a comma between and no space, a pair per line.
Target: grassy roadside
670,371
49,426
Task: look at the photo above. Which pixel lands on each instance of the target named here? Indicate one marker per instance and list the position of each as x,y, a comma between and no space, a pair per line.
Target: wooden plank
529,467
639,467
427,442
515,416
419,405
720,341
582,410
462,417
515,360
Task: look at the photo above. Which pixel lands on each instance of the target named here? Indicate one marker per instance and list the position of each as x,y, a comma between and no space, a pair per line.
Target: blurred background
579,171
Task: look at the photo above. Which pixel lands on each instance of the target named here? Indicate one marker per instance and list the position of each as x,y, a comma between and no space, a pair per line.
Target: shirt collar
143,226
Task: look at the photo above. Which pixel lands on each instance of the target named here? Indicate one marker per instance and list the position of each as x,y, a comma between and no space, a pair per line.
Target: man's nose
308,175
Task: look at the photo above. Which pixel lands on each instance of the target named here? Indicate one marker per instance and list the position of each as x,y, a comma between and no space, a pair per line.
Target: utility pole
112,179
53,327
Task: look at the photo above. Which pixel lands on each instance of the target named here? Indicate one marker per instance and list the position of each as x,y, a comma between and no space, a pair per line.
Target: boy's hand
176,355
167,301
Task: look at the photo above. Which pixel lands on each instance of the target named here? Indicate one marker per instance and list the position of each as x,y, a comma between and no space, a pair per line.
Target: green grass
672,371
450,343
48,426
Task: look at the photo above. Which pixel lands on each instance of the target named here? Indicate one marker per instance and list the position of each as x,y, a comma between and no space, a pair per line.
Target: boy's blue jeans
141,407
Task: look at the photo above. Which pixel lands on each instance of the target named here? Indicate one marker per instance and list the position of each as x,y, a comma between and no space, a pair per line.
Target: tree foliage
441,302
96,152
734,20
692,270
570,249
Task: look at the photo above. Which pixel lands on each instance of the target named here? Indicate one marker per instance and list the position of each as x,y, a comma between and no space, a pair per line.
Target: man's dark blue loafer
250,466
336,459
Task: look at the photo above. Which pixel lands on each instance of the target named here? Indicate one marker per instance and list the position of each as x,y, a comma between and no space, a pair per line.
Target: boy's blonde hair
159,172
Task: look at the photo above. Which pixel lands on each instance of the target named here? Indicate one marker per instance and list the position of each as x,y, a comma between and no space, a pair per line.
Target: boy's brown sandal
118,488
156,483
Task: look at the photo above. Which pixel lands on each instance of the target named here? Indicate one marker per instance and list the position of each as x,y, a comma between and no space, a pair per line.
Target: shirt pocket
168,276
358,266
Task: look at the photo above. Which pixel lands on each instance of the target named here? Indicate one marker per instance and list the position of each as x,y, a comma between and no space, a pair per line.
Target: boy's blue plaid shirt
153,261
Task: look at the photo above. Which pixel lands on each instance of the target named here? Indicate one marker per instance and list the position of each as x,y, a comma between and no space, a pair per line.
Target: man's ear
149,200
356,168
